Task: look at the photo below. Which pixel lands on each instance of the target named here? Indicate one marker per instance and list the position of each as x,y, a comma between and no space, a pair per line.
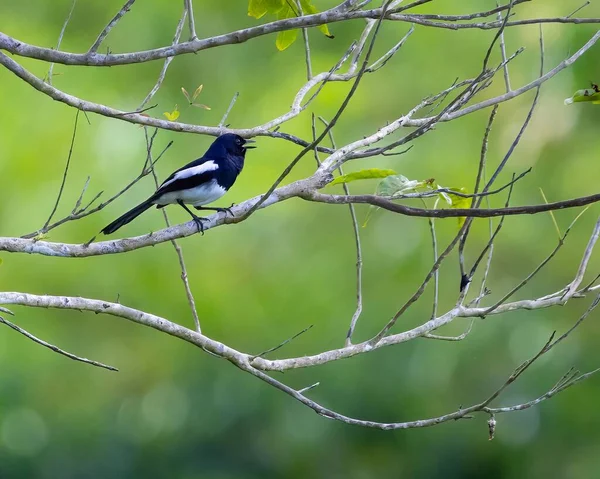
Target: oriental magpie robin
198,183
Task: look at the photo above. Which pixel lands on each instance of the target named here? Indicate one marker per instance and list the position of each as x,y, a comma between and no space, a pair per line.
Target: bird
198,183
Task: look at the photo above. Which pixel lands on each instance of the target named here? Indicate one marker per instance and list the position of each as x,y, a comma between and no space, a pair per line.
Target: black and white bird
198,183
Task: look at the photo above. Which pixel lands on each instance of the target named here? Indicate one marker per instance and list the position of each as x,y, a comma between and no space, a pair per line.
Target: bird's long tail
127,217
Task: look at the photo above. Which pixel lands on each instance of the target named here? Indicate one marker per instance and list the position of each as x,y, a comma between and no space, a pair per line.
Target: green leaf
284,9
363,175
172,116
1,260
590,94
258,8
397,184
309,9
457,202
285,39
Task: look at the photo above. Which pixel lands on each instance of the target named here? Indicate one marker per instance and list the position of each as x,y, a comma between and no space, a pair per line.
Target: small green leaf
363,175
309,9
590,94
172,116
457,202
285,39
397,184
284,9
257,8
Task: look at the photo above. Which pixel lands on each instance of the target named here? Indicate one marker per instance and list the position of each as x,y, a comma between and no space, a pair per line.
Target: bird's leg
197,219
220,210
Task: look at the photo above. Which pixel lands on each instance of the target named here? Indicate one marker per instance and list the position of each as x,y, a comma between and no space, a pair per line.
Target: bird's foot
218,210
227,211
199,224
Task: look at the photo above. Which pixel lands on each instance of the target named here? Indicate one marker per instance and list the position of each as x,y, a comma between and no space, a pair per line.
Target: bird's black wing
196,175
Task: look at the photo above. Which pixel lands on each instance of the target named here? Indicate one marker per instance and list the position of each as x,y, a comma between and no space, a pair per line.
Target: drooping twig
55,348
359,260
178,250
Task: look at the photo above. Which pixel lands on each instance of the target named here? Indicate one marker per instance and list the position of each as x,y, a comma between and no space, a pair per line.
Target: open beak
249,141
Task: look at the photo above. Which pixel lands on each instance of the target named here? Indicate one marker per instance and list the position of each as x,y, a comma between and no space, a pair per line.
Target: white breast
198,196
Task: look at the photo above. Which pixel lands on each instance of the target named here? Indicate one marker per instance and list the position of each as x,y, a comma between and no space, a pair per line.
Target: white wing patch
194,170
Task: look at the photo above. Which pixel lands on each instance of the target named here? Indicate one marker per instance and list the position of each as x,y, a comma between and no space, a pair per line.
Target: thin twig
503,53
226,114
178,250
359,260
167,62
306,43
578,9
308,388
109,27
560,244
60,37
331,124
283,343
434,245
82,212
64,179
192,23
55,348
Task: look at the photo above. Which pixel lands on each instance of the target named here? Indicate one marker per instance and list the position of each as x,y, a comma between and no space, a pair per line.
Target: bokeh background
174,411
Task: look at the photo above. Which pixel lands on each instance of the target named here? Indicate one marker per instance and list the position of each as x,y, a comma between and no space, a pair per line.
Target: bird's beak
249,141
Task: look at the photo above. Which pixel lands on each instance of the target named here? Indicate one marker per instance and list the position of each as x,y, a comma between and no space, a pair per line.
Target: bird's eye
239,141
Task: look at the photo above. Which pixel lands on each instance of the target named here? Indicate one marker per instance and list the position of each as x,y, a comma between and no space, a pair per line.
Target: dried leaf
197,92
186,94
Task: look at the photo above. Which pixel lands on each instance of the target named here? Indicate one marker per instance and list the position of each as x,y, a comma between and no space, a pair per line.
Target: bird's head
233,144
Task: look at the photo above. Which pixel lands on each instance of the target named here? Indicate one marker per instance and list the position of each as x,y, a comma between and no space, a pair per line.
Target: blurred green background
174,411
